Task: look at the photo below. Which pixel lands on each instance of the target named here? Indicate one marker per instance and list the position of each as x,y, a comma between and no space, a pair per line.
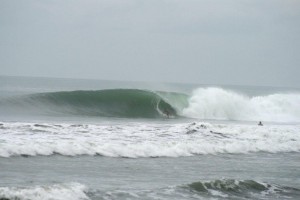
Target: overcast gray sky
248,42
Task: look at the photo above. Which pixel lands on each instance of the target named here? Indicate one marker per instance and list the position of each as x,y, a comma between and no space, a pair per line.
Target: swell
244,189
228,185
127,103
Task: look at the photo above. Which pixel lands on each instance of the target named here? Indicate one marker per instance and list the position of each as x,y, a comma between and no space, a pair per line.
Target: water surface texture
89,139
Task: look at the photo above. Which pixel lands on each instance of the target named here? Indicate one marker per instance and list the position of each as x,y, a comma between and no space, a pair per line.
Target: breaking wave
74,191
220,189
127,103
242,189
203,103
135,140
220,104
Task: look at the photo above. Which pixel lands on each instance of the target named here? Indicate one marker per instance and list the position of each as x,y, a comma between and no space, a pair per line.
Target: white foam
217,103
74,191
145,140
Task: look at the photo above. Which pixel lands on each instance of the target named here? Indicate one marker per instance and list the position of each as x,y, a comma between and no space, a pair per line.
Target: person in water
167,113
260,124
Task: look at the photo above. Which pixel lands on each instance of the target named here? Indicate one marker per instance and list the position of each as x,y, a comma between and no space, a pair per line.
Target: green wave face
127,103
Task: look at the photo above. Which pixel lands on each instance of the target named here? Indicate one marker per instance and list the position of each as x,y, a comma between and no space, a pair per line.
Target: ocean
95,139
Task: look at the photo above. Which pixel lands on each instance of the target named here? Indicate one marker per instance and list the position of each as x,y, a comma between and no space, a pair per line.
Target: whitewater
135,140
92,140
217,103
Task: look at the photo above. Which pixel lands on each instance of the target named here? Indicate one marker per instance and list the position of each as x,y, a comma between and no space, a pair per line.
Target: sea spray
221,104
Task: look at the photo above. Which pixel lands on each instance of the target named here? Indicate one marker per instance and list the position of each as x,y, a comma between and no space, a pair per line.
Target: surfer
260,124
167,113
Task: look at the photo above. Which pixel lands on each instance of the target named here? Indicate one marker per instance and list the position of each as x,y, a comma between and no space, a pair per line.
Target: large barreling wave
204,103
126,103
